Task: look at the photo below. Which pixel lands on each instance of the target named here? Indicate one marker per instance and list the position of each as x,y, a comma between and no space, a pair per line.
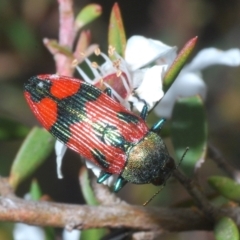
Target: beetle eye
158,181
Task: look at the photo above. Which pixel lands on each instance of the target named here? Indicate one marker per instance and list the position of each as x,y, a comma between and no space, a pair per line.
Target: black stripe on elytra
72,110
100,158
127,117
110,136
37,88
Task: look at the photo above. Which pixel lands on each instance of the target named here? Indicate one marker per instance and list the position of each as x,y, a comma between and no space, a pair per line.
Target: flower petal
213,56
141,51
71,235
97,171
60,150
23,231
150,89
186,85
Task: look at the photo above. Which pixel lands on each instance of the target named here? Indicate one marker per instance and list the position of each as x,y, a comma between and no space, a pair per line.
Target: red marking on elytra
45,110
83,140
106,109
62,87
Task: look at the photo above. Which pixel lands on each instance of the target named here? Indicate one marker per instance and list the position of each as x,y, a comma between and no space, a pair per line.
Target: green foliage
86,188
36,194
10,129
226,229
226,187
88,14
178,64
35,190
189,129
116,32
90,200
21,36
33,152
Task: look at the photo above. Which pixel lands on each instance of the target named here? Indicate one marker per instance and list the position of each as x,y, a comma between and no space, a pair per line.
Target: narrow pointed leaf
54,47
49,233
189,129
11,129
86,188
87,15
82,43
35,191
178,64
91,200
116,32
226,229
26,40
33,152
226,187
93,234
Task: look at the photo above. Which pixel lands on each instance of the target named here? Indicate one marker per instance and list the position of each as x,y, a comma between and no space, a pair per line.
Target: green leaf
189,129
226,229
36,194
35,190
11,129
35,149
226,187
56,48
82,44
22,37
116,32
178,64
87,15
6,231
93,234
87,191
49,233
90,200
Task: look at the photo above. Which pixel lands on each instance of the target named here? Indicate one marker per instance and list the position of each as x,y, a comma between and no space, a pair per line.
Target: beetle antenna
154,195
160,189
184,154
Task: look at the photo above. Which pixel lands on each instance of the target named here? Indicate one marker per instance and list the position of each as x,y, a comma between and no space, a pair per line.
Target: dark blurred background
23,25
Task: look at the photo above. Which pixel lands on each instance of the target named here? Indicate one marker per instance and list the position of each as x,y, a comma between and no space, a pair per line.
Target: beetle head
148,161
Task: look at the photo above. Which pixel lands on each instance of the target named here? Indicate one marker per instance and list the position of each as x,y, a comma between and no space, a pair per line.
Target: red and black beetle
91,123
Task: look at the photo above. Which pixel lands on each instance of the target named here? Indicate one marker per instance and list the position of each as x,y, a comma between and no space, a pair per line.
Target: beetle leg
144,111
158,125
103,176
120,183
108,91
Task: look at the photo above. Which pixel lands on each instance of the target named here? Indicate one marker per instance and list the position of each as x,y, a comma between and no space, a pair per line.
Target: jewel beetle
94,125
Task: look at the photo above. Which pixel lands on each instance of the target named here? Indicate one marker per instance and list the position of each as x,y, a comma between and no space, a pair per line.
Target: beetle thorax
148,161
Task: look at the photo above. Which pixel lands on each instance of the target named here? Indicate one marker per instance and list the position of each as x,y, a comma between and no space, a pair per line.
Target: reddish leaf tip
98,8
115,5
192,42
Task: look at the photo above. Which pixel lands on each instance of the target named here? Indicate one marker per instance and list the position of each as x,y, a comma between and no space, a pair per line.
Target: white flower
141,51
147,81
23,231
97,171
130,80
60,150
190,82
111,74
71,235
